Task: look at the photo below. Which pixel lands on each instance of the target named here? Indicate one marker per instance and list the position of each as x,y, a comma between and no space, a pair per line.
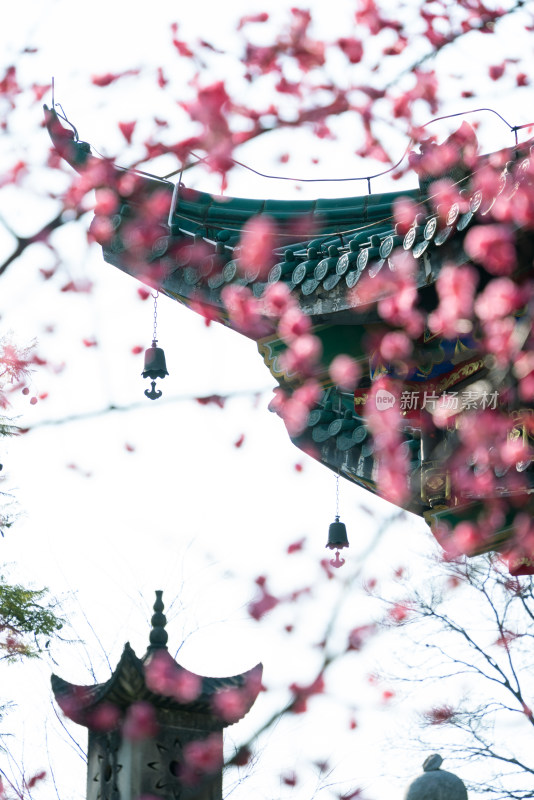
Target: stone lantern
436,783
155,729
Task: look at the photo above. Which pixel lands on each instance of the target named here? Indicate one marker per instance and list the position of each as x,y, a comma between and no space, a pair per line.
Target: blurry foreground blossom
164,676
493,246
256,246
140,722
345,372
201,758
303,693
264,603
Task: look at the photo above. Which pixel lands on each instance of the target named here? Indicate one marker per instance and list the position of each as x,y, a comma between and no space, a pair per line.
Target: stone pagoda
155,728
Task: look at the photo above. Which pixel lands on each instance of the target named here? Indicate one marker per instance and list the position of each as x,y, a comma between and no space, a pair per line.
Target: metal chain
337,495
154,337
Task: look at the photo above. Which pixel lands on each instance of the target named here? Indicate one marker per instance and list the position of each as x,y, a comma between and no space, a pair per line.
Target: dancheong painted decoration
341,264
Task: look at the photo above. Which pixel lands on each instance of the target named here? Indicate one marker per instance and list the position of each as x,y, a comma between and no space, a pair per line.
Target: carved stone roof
159,680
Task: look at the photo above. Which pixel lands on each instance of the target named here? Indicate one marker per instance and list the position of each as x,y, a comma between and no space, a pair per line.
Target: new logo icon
384,399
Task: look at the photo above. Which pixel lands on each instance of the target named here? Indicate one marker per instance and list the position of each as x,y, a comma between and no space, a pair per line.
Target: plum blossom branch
23,242
480,25
218,400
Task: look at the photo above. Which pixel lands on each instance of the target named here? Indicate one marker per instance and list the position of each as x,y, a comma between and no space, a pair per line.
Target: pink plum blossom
244,310
404,213
302,355
443,195
500,298
493,247
456,287
293,324
256,245
164,676
277,299
303,693
230,704
395,346
140,722
202,757
345,372
264,603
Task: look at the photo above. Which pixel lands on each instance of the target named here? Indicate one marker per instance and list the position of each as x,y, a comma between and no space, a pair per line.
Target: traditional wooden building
186,244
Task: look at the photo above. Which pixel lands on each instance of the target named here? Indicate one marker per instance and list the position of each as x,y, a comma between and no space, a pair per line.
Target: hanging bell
337,539
337,535
155,367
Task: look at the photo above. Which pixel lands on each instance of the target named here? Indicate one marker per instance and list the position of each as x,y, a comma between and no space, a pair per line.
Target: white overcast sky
186,511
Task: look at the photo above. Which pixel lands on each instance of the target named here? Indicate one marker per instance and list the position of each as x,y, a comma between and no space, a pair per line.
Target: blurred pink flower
105,717
345,372
230,704
500,297
244,310
293,324
264,603
256,245
303,693
443,195
302,355
277,299
204,756
140,722
395,346
294,410
358,636
456,287
164,676
493,247
404,214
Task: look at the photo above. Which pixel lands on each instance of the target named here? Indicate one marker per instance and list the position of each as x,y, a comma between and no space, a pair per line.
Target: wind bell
337,534
155,366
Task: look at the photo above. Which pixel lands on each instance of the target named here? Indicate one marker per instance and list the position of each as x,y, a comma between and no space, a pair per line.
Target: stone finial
158,634
432,762
436,783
